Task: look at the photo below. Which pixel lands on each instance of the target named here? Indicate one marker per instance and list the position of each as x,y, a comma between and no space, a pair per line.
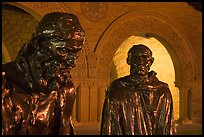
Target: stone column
101,98
83,103
93,102
188,89
184,106
197,102
74,112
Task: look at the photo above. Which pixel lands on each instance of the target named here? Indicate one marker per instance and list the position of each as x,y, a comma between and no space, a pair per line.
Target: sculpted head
50,54
140,59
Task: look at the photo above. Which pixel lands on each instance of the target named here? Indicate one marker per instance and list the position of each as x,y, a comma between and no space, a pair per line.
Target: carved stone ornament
142,22
94,11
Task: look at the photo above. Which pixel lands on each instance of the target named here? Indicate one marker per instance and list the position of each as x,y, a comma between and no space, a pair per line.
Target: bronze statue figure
37,91
138,104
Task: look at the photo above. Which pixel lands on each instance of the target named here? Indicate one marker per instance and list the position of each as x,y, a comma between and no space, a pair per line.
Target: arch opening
22,8
163,64
17,28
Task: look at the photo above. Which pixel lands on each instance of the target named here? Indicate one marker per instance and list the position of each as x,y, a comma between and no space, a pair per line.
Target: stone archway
6,56
38,9
166,31
9,34
162,64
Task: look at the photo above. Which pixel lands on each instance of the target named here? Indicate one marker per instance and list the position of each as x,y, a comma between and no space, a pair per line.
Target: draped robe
135,107
37,113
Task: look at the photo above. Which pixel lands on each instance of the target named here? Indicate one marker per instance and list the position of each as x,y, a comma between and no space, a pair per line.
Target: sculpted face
140,59
59,40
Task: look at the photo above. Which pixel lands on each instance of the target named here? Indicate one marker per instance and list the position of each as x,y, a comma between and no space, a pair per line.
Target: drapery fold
134,108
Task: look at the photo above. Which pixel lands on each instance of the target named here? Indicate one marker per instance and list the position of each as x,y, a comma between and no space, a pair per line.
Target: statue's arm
164,112
106,123
4,90
67,99
110,116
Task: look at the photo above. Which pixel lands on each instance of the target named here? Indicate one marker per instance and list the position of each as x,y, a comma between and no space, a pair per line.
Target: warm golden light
163,64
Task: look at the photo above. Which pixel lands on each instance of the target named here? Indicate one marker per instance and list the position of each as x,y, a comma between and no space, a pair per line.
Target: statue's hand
67,98
3,80
4,90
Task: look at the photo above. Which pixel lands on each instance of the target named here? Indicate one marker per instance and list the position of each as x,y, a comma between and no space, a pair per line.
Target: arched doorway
17,28
163,29
162,65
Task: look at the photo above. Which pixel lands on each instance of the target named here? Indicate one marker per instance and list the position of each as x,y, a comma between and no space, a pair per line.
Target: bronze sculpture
37,91
138,104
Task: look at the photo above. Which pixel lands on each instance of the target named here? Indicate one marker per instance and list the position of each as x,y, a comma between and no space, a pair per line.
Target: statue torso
135,105
36,113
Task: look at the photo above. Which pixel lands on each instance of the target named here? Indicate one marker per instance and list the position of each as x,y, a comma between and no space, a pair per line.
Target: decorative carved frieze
93,11
147,22
40,5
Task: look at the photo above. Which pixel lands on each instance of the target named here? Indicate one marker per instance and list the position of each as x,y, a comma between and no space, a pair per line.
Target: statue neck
142,79
139,76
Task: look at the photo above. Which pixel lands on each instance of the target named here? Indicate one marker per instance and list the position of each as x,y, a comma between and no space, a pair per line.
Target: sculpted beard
53,75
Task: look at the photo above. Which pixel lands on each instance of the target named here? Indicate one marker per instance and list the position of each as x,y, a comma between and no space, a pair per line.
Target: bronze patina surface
138,104
37,91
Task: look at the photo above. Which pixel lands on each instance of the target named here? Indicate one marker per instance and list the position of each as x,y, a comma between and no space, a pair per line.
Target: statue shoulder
162,88
69,84
155,81
159,87
4,90
6,85
118,89
119,83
